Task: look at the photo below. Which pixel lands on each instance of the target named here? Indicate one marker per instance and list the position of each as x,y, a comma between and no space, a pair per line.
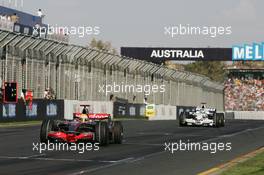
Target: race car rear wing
96,116
99,116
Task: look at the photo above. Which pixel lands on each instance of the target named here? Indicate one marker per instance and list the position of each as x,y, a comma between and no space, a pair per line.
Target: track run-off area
142,152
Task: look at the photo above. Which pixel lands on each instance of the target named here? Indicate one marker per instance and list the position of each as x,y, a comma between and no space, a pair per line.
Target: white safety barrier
249,115
70,107
164,112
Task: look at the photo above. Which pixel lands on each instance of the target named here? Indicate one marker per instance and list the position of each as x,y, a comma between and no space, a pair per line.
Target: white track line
36,157
143,144
132,160
244,131
103,166
22,157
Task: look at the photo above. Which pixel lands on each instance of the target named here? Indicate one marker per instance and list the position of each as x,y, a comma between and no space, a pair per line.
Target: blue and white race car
202,116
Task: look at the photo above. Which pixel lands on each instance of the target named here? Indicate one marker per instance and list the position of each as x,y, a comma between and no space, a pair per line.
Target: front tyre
222,119
182,119
46,126
117,132
219,120
102,133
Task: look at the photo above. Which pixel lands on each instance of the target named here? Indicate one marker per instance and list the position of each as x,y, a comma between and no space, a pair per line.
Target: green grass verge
252,166
22,123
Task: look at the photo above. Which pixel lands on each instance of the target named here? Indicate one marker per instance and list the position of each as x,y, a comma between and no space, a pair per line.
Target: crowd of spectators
244,94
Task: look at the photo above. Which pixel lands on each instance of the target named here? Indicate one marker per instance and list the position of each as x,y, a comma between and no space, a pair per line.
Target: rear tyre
223,121
117,132
102,133
218,120
46,126
182,119
222,117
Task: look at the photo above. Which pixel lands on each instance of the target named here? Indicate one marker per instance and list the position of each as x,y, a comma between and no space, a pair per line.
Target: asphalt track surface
143,150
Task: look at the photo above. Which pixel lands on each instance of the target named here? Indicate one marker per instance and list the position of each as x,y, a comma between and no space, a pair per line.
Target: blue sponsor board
32,112
39,110
132,110
51,109
9,110
247,52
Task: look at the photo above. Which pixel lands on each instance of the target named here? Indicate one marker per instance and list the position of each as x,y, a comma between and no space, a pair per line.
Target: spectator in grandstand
52,94
145,100
45,94
244,94
134,98
23,95
3,17
40,14
14,18
111,97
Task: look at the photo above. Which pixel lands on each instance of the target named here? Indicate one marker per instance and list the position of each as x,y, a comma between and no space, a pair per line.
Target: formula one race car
202,116
83,128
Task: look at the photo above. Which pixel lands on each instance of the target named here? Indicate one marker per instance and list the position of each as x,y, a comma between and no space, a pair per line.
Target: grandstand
244,89
75,73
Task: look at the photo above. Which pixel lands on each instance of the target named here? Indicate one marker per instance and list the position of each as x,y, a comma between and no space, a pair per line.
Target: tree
101,45
215,70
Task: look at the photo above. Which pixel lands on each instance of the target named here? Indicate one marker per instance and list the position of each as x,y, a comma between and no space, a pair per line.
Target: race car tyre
218,120
102,133
46,126
222,119
117,132
182,119
223,123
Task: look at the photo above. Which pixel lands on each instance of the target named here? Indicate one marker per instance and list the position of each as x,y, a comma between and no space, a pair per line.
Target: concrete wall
249,115
164,112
